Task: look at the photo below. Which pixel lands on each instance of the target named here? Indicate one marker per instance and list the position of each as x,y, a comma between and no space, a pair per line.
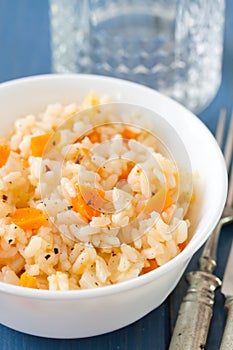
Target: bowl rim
147,278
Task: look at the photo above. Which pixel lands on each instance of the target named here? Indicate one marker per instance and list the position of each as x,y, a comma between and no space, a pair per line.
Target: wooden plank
151,332
24,38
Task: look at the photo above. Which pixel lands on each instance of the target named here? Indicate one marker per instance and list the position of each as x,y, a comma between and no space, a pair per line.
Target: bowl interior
32,95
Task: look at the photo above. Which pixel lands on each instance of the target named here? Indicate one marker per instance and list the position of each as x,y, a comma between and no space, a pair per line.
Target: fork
195,313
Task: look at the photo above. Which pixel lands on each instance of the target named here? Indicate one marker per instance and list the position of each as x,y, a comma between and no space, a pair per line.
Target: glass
174,46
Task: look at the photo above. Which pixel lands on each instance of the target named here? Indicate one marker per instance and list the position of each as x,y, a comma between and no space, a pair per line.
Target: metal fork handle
227,339
208,259
195,313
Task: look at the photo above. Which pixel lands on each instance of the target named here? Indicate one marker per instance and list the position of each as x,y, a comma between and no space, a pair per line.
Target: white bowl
76,314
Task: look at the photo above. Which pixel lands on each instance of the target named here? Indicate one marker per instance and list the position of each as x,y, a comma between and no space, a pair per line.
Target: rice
96,204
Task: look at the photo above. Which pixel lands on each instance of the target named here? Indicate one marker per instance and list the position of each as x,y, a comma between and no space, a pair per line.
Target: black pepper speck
47,168
4,197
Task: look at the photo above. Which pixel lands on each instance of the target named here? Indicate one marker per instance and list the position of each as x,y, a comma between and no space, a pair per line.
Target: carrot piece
29,218
94,136
102,172
182,245
168,201
125,173
153,265
24,162
88,201
159,202
4,154
38,144
128,134
27,281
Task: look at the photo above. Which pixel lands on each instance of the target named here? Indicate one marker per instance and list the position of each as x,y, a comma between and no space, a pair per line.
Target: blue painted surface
24,51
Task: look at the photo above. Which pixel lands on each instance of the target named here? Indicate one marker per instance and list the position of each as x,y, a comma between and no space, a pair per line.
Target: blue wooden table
24,51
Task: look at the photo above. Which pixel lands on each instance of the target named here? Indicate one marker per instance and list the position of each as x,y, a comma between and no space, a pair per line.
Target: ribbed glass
173,46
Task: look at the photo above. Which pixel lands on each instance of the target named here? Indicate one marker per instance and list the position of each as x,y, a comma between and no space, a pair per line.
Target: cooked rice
122,166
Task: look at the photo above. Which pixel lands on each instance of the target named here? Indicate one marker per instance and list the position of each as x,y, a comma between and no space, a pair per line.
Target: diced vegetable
29,218
88,202
182,245
24,162
38,144
153,265
159,202
4,154
94,136
28,281
128,134
125,173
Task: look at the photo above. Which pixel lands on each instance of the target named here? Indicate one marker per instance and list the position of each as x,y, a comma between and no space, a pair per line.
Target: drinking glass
174,46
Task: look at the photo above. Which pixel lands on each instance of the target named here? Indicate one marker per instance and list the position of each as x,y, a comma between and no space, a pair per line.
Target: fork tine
221,127
229,144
